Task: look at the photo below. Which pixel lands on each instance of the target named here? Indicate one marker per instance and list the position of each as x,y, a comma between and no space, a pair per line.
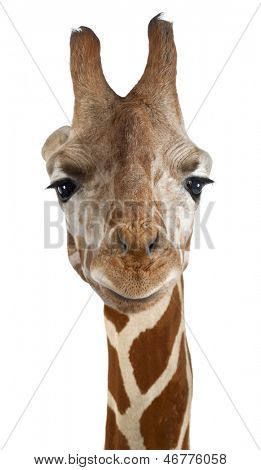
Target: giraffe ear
55,141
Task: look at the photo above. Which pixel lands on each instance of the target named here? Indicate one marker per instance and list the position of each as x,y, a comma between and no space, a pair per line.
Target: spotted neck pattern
149,377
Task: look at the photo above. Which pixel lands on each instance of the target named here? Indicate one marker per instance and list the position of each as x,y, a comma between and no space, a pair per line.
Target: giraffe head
127,176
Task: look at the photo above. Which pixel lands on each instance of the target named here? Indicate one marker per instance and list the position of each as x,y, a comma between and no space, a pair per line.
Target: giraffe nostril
152,245
123,244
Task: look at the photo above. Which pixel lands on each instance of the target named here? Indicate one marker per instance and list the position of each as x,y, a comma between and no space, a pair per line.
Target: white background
41,295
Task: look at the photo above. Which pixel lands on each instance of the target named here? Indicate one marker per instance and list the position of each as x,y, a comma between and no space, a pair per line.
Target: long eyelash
57,183
202,179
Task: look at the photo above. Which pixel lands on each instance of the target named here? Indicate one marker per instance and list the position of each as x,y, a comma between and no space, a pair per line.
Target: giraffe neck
149,377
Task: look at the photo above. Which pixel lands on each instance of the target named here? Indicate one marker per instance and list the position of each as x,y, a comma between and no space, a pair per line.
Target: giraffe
129,180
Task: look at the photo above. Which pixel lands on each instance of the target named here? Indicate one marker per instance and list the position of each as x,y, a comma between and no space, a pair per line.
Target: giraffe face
127,176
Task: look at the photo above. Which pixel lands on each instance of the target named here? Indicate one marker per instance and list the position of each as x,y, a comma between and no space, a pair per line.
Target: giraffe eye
195,184
64,188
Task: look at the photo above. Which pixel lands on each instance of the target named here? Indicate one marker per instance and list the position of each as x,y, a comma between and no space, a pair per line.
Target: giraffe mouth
125,299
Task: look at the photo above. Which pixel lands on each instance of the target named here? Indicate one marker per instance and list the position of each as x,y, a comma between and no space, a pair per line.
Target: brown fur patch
189,357
187,245
185,443
161,422
114,440
150,352
119,320
115,382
